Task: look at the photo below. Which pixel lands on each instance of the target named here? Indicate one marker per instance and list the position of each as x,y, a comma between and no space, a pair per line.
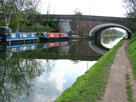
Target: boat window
32,35
21,35
13,35
24,35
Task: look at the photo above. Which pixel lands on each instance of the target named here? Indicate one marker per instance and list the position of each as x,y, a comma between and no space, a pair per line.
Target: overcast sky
87,7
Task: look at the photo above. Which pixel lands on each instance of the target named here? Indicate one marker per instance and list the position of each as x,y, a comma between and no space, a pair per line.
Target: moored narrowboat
62,32
46,35
6,35
64,29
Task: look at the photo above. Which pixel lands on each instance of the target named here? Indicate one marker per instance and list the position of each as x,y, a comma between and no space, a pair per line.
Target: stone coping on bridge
86,17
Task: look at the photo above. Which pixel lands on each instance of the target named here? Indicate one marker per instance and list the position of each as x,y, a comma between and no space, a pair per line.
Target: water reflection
16,77
42,73
51,85
111,36
110,42
77,50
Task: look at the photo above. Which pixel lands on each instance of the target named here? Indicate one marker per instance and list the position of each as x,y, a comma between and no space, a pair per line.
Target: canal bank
90,87
131,75
132,53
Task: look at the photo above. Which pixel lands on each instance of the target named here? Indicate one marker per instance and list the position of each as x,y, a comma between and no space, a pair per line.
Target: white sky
87,7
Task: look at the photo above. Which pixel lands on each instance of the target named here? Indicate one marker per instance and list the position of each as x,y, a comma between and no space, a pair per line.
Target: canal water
40,72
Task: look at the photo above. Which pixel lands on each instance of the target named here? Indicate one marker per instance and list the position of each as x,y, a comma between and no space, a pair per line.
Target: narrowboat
6,35
64,29
63,32
47,35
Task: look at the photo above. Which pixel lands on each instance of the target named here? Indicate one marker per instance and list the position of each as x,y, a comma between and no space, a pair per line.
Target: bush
38,27
48,27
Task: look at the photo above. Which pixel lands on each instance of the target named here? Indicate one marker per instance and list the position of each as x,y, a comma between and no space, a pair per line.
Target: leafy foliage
129,88
16,12
48,27
131,7
38,27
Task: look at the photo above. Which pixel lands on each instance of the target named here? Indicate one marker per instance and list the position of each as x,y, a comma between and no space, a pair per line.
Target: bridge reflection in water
42,71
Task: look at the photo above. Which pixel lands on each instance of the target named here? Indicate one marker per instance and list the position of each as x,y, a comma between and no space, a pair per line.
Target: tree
16,8
77,11
7,8
24,9
131,13
131,8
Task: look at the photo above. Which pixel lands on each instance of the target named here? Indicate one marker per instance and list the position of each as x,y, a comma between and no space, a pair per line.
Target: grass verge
129,89
131,48
90,87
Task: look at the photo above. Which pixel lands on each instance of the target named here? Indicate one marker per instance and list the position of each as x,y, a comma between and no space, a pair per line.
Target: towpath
116,87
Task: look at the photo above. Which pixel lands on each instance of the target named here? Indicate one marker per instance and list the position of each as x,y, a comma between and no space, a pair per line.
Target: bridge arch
99,28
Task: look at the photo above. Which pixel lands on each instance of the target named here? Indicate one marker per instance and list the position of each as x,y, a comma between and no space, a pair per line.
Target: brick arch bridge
82,24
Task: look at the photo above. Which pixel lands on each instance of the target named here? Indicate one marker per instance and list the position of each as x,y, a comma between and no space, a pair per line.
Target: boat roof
4,27
7,28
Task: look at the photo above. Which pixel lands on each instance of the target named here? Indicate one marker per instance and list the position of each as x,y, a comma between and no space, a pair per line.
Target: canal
40,72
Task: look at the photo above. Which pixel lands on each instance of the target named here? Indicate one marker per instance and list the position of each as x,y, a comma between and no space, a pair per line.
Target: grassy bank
132,53
129,88
90,87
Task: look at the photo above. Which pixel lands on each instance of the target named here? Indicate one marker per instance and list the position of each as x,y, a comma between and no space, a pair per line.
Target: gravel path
116,87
